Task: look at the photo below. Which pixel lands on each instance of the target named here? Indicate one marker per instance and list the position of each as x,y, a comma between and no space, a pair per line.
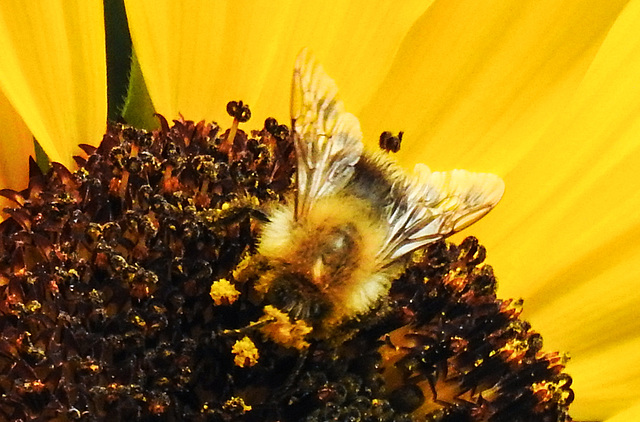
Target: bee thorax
332,254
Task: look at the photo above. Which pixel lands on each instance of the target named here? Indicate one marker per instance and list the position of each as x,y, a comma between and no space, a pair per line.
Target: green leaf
118,42
42,159
138,108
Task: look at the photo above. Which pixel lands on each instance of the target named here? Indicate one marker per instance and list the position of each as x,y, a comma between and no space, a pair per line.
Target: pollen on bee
280,329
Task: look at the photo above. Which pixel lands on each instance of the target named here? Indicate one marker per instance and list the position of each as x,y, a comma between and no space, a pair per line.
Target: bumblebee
345,234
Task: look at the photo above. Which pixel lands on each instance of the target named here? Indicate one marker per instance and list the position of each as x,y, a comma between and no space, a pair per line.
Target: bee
354,218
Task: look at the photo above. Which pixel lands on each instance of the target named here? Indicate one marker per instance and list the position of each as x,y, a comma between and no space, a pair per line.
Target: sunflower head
128,291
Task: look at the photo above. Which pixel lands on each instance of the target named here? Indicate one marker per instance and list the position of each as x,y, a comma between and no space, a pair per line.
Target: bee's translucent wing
327,139
437,205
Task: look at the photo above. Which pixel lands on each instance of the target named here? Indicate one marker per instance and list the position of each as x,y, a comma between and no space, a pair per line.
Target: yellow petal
197,55
583,226
53,71
611,384
475,83
631,414
16,144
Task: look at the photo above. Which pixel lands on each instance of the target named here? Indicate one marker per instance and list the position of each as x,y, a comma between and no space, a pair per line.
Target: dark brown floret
239,111
390,142
467,343
106,306
279,132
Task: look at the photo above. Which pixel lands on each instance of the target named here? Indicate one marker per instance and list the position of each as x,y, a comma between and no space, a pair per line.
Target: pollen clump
236,405
246,353
223,292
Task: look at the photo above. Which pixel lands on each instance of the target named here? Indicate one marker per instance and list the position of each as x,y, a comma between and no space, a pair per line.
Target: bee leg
248,328
295,372
432,385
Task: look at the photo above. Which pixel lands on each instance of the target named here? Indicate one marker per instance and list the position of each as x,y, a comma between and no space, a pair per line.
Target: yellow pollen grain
223,292
237,403
246,353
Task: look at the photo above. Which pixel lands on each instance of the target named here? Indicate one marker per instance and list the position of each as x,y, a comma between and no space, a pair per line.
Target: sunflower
543,93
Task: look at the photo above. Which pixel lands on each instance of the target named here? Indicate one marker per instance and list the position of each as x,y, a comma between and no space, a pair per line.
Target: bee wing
327,139
436,205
